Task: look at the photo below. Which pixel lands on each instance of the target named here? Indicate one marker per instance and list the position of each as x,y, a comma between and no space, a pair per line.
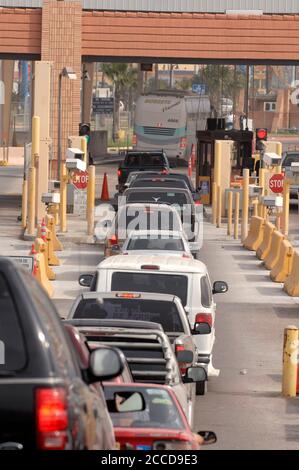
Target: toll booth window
12,347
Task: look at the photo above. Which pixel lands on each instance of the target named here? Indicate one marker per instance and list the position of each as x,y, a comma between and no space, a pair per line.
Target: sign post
80,181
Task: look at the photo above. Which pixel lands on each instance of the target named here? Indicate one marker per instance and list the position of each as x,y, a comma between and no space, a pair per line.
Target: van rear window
148,282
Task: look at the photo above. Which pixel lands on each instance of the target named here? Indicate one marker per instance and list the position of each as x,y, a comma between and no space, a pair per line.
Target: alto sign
80,180
276,183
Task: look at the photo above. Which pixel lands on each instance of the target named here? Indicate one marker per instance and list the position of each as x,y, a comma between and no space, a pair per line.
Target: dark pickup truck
141,161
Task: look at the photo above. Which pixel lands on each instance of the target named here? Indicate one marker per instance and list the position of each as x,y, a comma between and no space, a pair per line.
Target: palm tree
124,79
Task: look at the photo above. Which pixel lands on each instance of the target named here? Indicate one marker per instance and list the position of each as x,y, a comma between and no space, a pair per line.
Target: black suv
141,161
46,402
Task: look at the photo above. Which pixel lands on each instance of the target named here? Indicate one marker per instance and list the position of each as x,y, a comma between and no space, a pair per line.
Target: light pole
70,74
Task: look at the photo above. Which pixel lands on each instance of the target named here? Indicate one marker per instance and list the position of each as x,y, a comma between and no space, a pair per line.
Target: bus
169,120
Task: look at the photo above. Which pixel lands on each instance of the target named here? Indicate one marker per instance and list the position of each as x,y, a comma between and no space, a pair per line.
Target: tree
124,80
184,84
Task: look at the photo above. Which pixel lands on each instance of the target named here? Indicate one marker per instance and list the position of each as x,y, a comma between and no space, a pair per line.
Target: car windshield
289,159
161,197
160,410
143,159
146,218
158,311
159,243
158,182
149,282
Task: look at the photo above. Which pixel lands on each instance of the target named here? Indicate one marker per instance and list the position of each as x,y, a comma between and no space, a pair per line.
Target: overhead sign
276,183
25,261
80,180
199,88
103,105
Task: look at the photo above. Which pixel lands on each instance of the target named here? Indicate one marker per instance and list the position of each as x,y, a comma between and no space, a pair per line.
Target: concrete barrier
283,266
52,258
42,247
264,248
291,285
273,255
256,233
40,271
50,222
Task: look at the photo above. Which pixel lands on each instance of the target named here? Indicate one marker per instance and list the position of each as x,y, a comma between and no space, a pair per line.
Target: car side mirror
195,374
105,364
220,287
85,280
185,356
126,401
202,329
209,437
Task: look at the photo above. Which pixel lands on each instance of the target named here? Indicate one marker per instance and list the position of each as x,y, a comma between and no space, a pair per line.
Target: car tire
200,388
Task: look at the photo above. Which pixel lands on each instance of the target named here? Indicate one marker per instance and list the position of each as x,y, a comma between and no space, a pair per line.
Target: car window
156,183
206,294
145,218
289,159
155,244
61,347
146,282
13,354
158,311
167,197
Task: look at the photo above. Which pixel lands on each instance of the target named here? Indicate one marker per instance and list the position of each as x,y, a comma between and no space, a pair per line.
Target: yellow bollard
219,206
31,201
286,207
63,196
229,213
245,204
84,149
290,353
262,183
90,199
255,207
42,247
24,203
237,210
50,222
214,203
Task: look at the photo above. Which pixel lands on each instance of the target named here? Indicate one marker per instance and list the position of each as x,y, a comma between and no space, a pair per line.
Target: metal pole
290,351
59,125
245,204
63,196
237,210
90,199
247,96
31,201
286,207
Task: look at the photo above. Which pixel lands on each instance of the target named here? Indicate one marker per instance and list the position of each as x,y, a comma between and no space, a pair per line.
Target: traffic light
260,134
84,130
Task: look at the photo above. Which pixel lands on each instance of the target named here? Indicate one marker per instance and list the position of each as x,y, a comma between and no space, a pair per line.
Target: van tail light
113,240
183,143
198,203
119,172
134,139
164,171
52,418
204,318
180,347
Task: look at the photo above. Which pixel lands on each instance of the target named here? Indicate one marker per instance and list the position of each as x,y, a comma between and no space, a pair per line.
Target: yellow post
63,196
237,210
262,183
214,203
24,202
255,203
31,200
286,207
84,149
245,204
279,148
290,352
219,206
90,199
229,213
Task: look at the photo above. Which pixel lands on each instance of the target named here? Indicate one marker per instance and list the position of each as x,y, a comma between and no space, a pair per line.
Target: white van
186,278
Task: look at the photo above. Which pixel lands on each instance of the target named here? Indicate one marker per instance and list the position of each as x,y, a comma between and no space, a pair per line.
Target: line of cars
154,301
123,369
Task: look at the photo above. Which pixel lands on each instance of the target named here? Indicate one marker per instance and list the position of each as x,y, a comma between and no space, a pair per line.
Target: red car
149,417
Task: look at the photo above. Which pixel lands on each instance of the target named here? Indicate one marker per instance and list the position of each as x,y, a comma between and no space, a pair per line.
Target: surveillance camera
271,159
75,153
272,201
54,184
51,198
75,164
255,190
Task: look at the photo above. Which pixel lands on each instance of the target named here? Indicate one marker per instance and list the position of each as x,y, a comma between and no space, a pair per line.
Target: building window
269,106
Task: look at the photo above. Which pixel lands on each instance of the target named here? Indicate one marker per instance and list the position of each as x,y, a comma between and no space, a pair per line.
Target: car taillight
198,203
52,418
172,445
113,240
178,348
164,171
183,142
204,318
134,139
119,173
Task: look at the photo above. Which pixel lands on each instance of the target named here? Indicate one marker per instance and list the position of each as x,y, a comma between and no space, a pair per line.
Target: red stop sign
276,183
80,179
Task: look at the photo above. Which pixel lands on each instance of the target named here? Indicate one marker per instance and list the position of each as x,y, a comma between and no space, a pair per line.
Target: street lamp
70,74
